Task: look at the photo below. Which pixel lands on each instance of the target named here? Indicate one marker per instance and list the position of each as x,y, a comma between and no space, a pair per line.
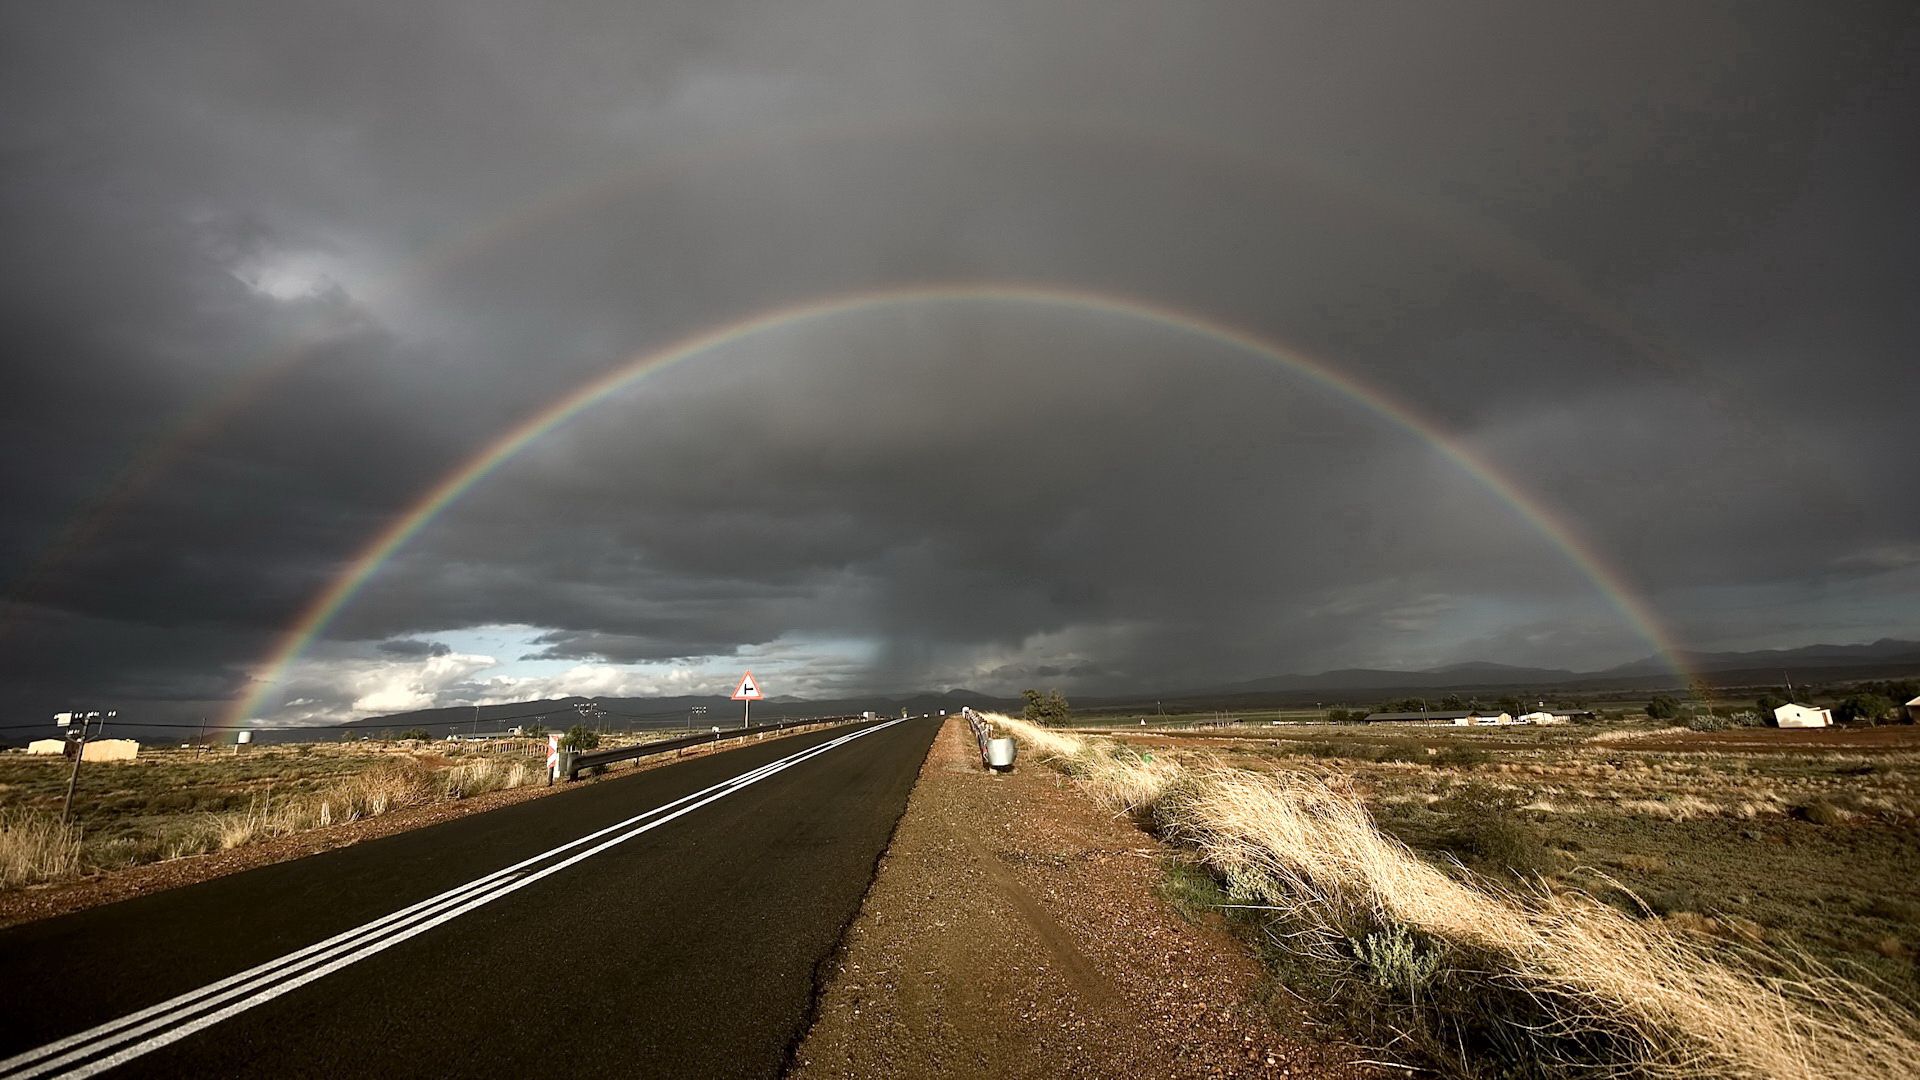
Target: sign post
748,691
553,759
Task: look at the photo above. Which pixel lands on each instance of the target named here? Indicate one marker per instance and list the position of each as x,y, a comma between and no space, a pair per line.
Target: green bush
1487,833
1191,891
1869,708
1663,707
579,737
416,733
1049,709
1397,959
1411,753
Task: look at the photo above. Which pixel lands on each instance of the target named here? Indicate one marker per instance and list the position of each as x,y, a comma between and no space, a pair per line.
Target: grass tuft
36,848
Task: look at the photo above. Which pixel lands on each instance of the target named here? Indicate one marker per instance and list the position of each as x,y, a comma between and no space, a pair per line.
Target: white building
47,746
111,750
1802,716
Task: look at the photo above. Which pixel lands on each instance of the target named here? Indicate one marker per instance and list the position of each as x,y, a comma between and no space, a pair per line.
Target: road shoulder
1015,930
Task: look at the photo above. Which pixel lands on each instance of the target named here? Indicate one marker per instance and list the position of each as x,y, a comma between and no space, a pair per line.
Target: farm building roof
1431,714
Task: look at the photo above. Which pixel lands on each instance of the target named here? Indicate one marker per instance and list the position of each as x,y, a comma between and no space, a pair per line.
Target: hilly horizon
1651,673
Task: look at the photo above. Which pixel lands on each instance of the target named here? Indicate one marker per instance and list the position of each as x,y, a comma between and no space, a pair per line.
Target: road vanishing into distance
667,923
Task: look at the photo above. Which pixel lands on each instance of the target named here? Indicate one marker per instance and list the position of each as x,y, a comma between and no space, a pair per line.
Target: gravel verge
1015,930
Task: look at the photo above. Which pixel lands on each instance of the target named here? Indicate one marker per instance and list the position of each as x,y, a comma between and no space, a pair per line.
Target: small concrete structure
1913,711
47,746
1802,716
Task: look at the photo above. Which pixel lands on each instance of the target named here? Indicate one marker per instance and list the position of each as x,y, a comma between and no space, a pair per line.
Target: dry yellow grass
1295,841
387,787
35,848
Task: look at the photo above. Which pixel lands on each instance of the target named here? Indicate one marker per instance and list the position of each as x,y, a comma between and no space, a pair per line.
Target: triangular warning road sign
748,690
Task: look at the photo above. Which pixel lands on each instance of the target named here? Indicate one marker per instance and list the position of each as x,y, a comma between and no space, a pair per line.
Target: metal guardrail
996,753
981,732
573,762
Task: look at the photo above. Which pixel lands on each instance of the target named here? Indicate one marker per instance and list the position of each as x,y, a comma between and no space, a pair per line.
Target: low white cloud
380,680
599,680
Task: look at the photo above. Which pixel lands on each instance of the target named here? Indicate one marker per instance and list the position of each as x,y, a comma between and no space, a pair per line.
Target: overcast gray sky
271,271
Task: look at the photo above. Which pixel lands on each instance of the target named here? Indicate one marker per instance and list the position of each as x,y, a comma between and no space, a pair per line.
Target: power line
352,725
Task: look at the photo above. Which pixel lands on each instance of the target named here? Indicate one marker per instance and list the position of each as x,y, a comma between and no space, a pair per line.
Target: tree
1663,707
1453,701
1048,708
534,731
416,733
580,737
1871,708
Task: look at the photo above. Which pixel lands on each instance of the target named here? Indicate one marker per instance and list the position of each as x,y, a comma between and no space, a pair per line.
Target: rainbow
1479,240
314,620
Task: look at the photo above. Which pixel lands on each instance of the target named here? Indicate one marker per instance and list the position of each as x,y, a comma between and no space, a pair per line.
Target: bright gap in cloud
482,666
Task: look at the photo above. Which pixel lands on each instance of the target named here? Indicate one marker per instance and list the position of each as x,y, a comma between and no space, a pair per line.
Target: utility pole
79,744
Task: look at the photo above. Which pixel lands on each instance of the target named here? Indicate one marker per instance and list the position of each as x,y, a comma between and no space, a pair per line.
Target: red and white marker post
553,759
749,692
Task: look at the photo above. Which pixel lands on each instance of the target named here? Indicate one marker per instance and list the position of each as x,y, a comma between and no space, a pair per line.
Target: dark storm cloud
413,648
1650,261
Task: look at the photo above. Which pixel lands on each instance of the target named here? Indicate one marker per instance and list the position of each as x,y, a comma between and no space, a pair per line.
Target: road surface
664,924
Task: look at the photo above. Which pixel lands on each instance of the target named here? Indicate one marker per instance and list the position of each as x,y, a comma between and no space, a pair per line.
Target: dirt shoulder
1014,930
58,898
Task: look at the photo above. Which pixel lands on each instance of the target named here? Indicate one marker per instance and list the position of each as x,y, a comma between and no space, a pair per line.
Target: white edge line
128,1053
193,999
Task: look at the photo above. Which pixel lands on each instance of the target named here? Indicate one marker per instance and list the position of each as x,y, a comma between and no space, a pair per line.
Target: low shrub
580,737
1487,834
1460,757
1191,890
1820,812
1409,753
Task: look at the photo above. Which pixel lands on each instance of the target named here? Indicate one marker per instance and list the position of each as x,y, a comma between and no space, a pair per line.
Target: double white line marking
151,1028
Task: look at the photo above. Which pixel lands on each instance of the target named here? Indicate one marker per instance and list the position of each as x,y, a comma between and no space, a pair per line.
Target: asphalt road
682,940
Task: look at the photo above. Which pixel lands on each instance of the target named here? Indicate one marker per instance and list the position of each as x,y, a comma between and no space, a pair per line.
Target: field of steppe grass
1539,903
171,803
1814,851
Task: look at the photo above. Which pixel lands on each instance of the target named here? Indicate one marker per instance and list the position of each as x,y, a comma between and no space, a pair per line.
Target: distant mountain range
1886,658
558,714
1883,651
1767,665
